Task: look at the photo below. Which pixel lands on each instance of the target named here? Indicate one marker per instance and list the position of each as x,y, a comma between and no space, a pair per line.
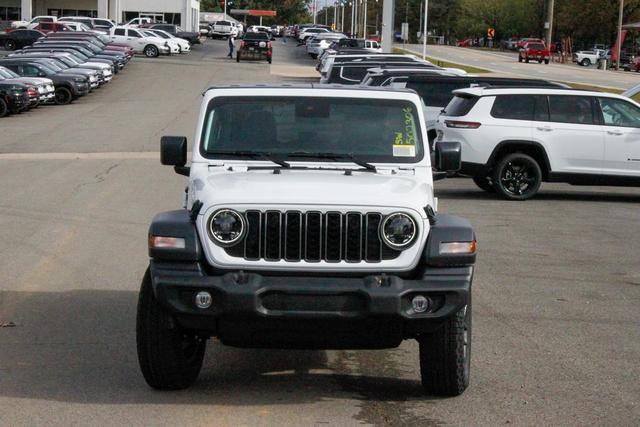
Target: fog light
203,299
420,304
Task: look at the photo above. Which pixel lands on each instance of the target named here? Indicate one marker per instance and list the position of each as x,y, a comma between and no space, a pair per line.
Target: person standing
232,41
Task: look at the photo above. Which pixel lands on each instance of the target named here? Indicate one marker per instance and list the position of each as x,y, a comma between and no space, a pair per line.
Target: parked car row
156,40
58,68
515,133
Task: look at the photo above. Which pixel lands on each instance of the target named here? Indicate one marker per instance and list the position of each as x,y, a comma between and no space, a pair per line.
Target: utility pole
619,44
550,7
326,12
387,26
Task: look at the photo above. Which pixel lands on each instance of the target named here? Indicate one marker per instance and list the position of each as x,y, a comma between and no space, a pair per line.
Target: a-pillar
26,10
103,9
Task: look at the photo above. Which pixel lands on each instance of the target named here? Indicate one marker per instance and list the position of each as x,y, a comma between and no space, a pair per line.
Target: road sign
405,31
491,32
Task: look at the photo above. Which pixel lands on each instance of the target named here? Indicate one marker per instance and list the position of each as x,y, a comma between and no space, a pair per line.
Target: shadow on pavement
79,347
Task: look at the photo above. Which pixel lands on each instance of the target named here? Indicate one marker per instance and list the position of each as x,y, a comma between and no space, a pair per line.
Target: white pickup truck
223,29
588,57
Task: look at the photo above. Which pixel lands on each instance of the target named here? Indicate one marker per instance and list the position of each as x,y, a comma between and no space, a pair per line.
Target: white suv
309,222
513,139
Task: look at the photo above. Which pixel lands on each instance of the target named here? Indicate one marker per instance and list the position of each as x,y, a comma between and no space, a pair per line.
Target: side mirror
448,156
173,152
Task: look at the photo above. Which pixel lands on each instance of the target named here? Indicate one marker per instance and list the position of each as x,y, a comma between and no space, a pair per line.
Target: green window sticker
404,144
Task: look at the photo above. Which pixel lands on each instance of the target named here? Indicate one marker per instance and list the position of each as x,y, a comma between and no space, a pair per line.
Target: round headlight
226,227
398,230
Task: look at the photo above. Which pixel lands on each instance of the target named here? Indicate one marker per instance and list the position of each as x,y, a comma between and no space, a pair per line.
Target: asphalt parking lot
556,337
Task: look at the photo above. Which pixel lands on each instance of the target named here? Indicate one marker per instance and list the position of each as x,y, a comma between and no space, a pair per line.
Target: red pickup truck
534,52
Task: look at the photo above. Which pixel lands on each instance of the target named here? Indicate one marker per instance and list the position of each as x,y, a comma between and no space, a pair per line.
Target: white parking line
115,155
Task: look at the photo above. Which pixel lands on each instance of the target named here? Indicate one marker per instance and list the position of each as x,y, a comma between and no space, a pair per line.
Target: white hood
401,189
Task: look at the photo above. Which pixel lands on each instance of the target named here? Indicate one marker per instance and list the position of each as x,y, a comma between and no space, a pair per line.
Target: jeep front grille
312,237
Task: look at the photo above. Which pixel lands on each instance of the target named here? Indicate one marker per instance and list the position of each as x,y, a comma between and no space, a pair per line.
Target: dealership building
185,13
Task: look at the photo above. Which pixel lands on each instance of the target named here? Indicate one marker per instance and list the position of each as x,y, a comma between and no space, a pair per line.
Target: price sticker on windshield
404,144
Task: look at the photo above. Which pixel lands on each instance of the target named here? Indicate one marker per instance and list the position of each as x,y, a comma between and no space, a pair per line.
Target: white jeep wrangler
309,222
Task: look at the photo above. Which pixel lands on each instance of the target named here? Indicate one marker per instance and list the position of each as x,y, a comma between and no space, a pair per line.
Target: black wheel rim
9,45
62,96
518,178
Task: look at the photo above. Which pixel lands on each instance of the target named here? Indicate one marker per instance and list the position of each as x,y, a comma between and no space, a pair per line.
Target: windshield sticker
404,144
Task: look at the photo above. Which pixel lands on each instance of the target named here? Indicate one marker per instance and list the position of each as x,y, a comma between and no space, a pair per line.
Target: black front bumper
255,310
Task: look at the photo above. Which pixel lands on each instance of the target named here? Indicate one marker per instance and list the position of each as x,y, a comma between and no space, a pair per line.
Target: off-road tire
445,356
170,357
151,51
63,96
4,108
514,171
484,182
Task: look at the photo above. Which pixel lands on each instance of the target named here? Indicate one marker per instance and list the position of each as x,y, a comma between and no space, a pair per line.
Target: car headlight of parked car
226,227
398,230
79,80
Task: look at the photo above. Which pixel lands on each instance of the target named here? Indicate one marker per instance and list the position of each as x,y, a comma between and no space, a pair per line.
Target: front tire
484,182
4,109
517,177
151,51
586,62
63,96
445,356
170,358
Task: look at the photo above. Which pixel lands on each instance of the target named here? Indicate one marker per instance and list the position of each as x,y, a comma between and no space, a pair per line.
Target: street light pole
619,44
365,19
387,25
424,31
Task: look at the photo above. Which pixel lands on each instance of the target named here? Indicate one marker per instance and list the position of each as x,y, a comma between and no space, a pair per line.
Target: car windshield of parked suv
381,131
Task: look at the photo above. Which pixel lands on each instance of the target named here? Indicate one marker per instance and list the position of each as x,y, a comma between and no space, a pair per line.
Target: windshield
385,131
47,70
161,34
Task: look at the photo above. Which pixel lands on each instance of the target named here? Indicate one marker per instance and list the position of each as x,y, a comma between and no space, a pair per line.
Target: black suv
68,86
191,37
14,97
19,38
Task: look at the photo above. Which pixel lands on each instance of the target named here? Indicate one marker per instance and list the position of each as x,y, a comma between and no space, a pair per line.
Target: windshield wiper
335,156
253,154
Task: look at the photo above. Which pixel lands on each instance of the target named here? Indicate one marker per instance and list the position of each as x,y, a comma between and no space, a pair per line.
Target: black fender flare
516,142
176,223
